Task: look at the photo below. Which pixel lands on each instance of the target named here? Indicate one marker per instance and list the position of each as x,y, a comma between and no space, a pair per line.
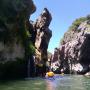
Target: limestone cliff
73,55
75,47
14,36
43,35
21,39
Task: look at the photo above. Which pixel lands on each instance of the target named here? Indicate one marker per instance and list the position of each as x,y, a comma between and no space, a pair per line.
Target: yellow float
50,74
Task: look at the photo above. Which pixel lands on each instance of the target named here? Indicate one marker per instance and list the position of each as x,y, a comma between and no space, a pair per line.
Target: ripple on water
58,83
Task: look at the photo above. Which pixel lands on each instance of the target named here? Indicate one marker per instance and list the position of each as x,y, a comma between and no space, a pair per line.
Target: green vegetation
77,22
69,34
25,36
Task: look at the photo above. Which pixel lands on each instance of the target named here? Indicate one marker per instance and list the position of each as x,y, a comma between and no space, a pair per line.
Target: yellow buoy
50,74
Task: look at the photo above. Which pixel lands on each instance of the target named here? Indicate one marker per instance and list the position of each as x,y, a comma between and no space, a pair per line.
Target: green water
67,82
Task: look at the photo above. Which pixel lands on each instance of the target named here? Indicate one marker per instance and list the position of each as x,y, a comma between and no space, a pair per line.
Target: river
67,82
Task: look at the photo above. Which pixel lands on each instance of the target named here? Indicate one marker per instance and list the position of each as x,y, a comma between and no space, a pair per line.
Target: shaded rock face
20,39
8,53
55,56
25,7
11,13
14,16
43,35
75,50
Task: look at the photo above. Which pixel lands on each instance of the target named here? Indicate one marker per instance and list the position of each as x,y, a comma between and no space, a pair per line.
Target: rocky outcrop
55,62
8,53
87,74
43,35
23,43
75,49
12,12
15,45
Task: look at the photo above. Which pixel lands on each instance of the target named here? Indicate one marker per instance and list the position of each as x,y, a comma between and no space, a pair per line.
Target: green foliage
77,22
25,35
31,48
74,27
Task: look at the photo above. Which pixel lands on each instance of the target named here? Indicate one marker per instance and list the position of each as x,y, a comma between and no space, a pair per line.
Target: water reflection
49,85
52,83
68,83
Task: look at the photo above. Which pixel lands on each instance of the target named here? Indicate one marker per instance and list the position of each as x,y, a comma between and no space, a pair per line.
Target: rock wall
43,35
10,38
75,49
21,39
55,62
8,53
14,37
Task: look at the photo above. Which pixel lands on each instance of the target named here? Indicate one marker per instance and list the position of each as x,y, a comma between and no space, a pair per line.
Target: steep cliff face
75,48
43,35
21,40
13,15
11,52
14,36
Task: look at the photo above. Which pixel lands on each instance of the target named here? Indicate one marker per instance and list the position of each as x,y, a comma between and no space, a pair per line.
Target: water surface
67,82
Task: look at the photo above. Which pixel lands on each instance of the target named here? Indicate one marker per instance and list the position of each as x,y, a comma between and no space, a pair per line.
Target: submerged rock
87,74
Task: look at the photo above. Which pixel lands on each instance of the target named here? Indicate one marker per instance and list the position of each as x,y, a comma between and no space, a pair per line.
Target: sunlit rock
43,35
75,49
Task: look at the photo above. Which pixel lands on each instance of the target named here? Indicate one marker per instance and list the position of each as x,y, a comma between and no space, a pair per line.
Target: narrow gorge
24,43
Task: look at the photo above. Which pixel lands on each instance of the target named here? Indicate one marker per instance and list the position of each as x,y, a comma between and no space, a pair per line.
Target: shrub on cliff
77,22
69,34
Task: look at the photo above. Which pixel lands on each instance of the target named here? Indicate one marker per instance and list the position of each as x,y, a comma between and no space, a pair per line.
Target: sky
63,12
